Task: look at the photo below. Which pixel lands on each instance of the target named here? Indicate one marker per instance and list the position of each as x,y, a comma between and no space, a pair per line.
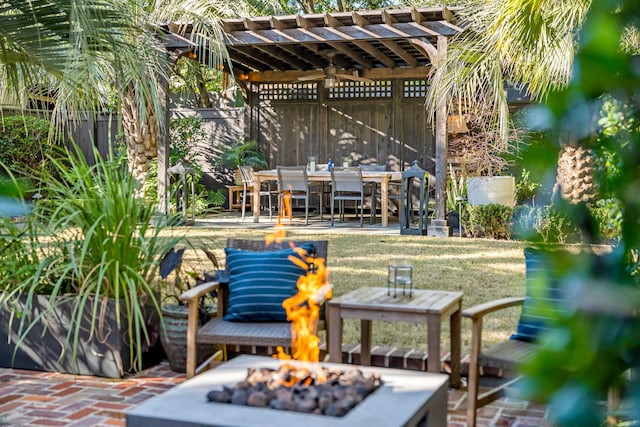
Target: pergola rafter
364,41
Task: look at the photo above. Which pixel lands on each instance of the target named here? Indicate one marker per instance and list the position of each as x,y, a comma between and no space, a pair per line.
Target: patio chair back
346,180
375,168
293,179
346,184
246,172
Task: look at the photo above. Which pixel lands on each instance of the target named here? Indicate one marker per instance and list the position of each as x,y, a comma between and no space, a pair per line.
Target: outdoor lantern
400,274
417,175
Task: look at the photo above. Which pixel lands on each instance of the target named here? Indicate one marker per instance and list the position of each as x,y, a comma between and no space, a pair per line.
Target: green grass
482,269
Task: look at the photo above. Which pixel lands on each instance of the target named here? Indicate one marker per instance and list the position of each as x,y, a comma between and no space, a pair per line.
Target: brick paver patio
32,398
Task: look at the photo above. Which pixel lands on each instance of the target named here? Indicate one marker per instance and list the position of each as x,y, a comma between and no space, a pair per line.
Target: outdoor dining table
379,177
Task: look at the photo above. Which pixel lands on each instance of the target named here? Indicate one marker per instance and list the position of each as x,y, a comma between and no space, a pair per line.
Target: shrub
543,224
607,215
185,134
526,188
491,221
456,189
25,143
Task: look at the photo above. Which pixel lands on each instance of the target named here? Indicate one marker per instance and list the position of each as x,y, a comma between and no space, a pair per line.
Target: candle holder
400,274
311,164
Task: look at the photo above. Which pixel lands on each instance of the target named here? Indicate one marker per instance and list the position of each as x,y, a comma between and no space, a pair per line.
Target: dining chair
372,188
294,181
248,183
346,184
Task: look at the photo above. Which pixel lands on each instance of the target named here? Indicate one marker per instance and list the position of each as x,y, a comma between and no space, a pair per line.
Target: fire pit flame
303,309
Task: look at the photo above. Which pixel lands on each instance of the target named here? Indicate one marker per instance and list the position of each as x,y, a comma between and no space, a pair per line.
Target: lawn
482,269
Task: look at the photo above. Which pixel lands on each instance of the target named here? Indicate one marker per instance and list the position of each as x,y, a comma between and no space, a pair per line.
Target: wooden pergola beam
310,34
362,22
374,74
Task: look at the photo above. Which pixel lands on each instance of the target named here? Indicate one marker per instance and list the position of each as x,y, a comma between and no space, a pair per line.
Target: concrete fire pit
407,398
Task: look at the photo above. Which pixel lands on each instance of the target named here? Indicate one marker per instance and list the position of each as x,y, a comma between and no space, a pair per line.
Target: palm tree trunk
202,89
575,174
141,135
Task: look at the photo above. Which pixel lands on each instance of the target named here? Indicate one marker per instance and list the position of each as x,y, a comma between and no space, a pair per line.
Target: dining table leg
384,202
256,198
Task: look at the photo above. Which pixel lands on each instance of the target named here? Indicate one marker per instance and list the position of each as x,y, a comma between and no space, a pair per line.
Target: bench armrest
323,294
198,291
480,310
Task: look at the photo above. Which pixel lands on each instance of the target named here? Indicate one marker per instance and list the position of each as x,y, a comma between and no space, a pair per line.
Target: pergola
329,48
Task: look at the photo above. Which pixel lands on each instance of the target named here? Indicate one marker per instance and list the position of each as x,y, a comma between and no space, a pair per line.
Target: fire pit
405,398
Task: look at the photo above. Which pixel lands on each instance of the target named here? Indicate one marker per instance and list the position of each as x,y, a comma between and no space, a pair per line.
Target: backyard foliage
93,238
25,143
590,349
491,221
185,134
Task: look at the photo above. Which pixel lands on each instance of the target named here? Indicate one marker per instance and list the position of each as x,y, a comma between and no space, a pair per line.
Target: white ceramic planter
484,190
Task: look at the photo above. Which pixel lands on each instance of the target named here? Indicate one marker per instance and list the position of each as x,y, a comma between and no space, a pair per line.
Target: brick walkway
31,398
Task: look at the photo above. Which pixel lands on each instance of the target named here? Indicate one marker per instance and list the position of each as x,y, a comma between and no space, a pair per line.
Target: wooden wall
383,123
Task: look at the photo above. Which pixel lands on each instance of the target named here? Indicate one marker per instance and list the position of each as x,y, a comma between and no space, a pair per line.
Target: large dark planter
453,219
173,337
105,352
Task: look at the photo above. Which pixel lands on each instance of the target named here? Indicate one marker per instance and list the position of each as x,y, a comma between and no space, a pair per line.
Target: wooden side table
425,306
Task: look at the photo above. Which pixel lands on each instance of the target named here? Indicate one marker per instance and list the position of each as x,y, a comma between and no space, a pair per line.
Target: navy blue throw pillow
544,296
259,282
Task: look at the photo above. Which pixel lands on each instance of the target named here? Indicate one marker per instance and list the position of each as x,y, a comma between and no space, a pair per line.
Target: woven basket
173,337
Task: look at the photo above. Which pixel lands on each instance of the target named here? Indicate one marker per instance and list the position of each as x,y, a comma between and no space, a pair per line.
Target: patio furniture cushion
543,298
259,282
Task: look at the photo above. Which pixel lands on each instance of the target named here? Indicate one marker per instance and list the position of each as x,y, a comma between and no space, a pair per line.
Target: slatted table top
421,301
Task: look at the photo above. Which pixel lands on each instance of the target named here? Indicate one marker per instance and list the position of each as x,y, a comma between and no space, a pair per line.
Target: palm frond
529,43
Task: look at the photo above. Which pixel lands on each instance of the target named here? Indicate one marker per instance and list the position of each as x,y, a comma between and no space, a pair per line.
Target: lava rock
305,405
285,405
258,398
335,410
239,397
219,396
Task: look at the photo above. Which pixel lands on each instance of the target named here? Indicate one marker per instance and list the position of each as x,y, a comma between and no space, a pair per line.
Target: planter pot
485,190
45,347
173,336
453,220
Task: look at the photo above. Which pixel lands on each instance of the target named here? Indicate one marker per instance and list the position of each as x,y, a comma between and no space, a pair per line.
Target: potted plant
78,292
246,153
456,197
179,277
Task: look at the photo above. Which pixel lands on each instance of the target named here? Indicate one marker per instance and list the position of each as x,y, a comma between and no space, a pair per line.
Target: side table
424,306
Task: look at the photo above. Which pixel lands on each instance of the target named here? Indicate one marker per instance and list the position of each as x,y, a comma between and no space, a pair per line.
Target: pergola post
175,47
163,146
439,225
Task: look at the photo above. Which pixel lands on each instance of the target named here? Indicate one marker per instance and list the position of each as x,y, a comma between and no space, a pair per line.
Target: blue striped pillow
259,282
544,296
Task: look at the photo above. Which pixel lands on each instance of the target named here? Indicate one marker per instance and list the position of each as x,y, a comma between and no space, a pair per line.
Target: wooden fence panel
224,128
384,124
